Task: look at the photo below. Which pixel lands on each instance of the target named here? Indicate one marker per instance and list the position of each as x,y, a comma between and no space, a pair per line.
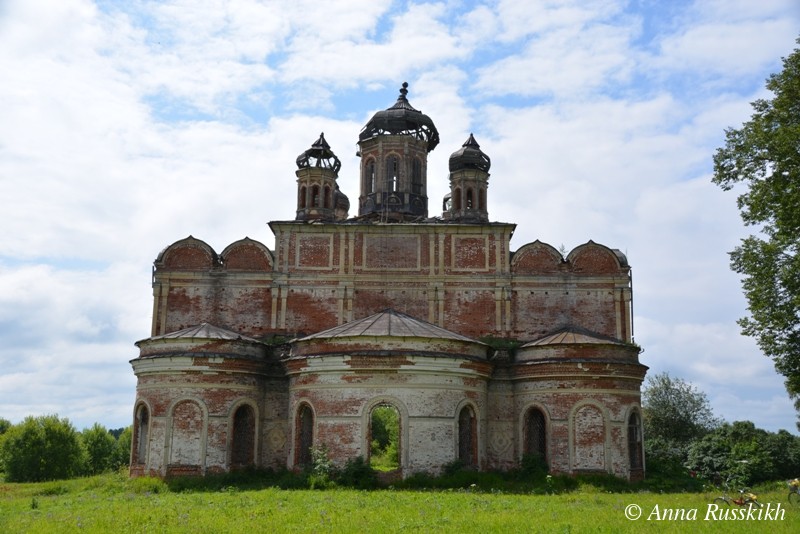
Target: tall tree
675,411
100,447
764,156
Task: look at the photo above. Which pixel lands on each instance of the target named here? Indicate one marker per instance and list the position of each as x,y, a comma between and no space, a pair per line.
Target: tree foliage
5,424
675,411
764,156
41,448
100,448
745,455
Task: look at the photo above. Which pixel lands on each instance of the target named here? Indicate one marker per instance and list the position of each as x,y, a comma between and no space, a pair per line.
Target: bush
41,448
358,474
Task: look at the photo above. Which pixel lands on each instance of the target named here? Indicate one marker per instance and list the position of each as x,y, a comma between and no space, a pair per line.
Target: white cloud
129,126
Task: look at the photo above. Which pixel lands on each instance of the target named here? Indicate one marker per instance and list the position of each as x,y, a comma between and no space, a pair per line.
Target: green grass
115,503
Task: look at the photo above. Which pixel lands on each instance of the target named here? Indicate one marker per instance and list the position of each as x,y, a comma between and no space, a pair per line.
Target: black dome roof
470,156
402,119
319,155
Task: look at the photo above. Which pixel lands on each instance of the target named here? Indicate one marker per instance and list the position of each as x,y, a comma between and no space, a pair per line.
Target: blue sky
129,125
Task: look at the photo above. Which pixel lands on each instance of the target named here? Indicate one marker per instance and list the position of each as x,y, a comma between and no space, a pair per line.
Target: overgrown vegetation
687,446
49,448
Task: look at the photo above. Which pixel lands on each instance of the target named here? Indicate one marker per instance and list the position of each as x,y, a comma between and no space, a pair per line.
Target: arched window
457,199
482,199
469,199
416,177
535,433
140,435
635,441
315,198
327,203
392,173
384,437
244,437
302,199
467,437
369,178
305,435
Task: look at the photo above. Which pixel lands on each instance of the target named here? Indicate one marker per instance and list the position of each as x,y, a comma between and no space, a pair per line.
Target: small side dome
319,155
469,156
402,119
340,200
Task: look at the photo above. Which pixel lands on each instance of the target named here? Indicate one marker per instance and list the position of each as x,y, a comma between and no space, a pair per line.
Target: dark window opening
244,436
467,437
535,434
369,179
305,435
635,441
416,177
140,435
392,173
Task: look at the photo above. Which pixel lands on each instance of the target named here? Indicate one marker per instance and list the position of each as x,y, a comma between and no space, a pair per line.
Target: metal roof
402,119
574,335
389,323
203,331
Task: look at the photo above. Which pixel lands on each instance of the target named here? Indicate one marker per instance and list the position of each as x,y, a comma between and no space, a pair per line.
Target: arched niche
592,258
190,254
536,258
247,255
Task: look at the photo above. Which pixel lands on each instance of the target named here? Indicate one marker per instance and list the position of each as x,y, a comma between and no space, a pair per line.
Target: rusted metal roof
573,335
389,323
402,119
319,155
203,331
470,156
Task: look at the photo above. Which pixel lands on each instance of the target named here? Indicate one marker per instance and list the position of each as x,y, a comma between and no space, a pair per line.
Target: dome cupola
319,155
470,156
402,119
469,183
318,195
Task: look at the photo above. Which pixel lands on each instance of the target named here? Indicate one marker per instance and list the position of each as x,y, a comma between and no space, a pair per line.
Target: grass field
114,503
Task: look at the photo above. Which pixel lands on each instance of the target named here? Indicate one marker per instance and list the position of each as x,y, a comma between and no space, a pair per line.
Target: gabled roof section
203,331
574,335
389,323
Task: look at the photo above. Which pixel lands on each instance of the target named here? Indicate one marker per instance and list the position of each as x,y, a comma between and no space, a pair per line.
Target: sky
128,125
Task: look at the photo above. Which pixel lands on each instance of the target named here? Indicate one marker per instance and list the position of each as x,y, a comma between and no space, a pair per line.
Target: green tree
764,156
745,454
100,447
5,424
41,448
122,450
675,410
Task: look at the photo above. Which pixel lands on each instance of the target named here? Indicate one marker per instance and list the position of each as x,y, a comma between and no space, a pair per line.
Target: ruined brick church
486,353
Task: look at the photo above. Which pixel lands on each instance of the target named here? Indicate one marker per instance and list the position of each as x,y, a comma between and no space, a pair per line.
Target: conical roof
202,331
573,335
470,156
389,323
319,155
401,119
